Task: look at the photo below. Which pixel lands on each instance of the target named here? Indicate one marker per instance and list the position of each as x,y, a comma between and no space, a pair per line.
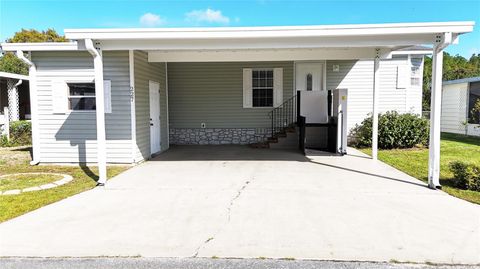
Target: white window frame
415,74
248,87
273,87
80,96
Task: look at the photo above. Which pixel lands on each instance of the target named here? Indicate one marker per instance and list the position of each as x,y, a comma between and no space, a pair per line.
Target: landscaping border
60,182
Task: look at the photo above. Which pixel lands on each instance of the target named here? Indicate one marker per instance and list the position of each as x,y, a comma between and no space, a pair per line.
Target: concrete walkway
250,203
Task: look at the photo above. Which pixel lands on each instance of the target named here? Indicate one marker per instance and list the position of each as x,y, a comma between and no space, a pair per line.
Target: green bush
466,176
394,131
20,134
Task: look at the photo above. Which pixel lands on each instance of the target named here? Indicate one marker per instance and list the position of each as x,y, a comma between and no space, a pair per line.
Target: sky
40,15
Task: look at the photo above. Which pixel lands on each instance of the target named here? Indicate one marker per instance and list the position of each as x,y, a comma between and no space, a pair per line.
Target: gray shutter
60,97
277,86
107,88
247,87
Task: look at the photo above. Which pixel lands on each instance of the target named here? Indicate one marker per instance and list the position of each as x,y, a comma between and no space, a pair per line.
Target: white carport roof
392,36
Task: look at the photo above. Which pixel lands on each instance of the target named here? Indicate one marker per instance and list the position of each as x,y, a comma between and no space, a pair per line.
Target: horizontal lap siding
145,71
357,77
71,137
415,93
392,98
213,93
454,108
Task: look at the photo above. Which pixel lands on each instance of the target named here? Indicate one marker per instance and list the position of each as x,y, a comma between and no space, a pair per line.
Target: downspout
18,83
33,106
100,112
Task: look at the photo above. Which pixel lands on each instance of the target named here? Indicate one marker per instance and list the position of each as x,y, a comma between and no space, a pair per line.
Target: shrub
466,176
20,134
394,131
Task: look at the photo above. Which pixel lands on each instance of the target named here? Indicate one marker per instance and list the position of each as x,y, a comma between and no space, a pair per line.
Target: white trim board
264,55
14,76
275,31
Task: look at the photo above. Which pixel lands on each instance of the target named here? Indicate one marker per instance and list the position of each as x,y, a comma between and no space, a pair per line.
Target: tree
10,63
33,35
454,67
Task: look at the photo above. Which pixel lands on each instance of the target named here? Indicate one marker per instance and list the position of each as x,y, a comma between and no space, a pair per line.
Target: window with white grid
415,79
262,88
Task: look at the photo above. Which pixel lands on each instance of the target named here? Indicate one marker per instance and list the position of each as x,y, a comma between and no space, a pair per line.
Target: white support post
376,95
100,110
435,111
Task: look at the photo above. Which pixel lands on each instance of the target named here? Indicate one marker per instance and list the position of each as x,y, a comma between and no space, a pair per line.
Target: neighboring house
14,98
458,99
136,91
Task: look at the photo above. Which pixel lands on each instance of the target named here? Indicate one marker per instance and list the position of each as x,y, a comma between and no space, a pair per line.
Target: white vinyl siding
144,72
357,77
454,108
71,137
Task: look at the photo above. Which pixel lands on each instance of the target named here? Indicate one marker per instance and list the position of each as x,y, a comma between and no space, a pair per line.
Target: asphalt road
200,263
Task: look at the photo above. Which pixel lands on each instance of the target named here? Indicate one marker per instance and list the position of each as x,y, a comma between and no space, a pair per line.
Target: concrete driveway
249,203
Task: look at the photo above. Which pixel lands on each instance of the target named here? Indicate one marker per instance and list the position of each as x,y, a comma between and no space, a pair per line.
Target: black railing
284,116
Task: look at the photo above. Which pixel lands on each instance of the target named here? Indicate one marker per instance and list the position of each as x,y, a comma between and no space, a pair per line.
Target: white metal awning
392,36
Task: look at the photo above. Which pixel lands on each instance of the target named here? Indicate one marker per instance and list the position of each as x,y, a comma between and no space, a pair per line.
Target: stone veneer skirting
218,136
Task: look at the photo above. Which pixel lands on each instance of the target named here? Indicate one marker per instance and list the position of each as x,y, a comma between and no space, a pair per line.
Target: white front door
309,79
154,93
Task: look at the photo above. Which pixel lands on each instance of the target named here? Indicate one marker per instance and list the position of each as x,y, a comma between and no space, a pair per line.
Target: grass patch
25,181
16,160
453,147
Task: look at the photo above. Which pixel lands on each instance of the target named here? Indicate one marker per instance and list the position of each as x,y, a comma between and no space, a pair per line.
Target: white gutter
100,111
33,106
270,32
14,76
42,46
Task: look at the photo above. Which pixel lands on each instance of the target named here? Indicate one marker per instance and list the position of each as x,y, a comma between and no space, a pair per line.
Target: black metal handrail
284,115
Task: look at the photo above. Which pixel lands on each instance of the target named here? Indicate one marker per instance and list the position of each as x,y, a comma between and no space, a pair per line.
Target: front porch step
260,145
289,140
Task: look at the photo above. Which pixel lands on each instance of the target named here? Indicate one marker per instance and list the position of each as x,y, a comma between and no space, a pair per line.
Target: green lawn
17,161
453,148
26,181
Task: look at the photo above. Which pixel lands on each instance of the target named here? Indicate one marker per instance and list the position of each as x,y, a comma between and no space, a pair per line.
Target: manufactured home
458,101
123,95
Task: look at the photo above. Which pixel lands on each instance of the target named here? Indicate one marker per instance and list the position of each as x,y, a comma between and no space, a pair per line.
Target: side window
81,96
415,79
